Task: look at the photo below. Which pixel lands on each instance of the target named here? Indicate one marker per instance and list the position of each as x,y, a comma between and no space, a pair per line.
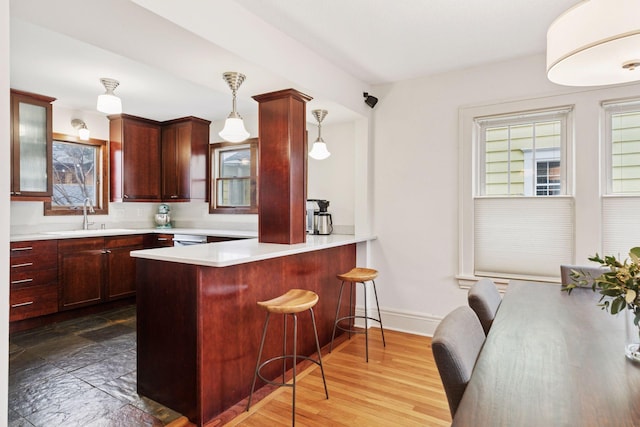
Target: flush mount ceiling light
81,126
596,42
234,130
319,150
107,102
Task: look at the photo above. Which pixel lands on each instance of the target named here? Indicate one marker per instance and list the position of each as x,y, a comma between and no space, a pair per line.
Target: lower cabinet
33,279
121,267
96,269
80,269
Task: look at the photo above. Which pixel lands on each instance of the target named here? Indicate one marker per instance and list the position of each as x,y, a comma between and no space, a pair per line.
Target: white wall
417,174
333,178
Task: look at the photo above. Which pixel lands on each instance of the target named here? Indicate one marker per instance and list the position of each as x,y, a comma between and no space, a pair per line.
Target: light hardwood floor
400,386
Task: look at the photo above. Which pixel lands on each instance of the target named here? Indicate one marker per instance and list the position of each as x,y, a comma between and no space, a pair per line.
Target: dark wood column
282,172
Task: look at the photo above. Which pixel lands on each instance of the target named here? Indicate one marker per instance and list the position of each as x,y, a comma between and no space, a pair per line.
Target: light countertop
70,234
224,254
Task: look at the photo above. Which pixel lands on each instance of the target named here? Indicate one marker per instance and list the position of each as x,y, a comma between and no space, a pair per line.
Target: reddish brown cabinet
158,240
154,161
96,269
33,279
134,151
80,265
31,142
121,268
184,159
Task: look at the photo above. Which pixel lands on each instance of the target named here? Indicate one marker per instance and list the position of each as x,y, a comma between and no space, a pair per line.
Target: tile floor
80,372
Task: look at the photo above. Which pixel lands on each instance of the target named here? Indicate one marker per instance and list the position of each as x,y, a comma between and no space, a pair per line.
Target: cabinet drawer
123,241
84,244
158,240
35,255
20,279
33,301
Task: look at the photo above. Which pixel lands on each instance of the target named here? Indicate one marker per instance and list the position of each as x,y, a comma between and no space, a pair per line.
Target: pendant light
596,42
234,130
83,131
108,102
319,150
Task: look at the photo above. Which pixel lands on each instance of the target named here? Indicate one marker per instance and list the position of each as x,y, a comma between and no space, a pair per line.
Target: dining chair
589,273
484,298
456,343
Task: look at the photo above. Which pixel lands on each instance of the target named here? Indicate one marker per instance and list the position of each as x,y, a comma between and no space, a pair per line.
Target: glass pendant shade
595,43
83,134
234,130
319,150
108,103
83,131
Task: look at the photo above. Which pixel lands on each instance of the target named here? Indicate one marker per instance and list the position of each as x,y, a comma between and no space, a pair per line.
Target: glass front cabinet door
31,141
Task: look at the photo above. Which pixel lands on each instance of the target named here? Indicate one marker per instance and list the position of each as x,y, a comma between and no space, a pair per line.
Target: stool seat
293,301
363,276
359,274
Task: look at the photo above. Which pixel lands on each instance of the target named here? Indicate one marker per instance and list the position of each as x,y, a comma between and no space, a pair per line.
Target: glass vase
632,341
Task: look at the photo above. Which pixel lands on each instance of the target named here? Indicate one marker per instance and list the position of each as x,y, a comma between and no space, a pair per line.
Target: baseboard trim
402,321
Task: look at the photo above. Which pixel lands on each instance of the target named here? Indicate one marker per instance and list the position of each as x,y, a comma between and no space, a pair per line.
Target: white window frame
562,114
620,225
472,168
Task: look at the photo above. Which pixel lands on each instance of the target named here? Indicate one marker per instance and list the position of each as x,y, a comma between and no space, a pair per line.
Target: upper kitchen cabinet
31,142
135,154
184,159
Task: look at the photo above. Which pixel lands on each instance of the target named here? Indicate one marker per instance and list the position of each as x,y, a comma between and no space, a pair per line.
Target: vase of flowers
620,290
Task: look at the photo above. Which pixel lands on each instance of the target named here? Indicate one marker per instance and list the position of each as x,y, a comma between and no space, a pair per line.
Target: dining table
552,359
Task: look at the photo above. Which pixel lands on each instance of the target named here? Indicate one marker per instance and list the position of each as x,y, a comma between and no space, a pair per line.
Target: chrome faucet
85,218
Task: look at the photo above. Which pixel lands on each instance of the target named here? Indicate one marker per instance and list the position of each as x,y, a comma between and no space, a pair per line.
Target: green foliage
619,287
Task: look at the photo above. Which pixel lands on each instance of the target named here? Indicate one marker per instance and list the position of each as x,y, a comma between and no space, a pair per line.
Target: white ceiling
61,48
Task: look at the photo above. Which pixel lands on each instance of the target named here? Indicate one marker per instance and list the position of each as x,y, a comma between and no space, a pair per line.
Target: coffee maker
319,221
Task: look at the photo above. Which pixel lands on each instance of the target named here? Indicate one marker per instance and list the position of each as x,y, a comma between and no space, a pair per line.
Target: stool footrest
354,331
281,357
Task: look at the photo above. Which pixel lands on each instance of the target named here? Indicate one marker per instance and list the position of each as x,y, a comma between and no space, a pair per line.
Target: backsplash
28,217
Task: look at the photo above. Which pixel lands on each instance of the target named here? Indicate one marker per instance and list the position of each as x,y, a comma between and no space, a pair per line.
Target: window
622,182
234,177
521,224
79,173
521,155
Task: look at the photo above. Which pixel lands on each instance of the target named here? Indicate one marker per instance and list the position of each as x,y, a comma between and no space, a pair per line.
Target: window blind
620,225
522,237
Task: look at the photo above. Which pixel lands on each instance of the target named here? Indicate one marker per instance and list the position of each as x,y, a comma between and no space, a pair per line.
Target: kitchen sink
105,232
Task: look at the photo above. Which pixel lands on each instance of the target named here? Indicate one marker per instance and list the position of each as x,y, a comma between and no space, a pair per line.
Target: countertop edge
75,234
225,254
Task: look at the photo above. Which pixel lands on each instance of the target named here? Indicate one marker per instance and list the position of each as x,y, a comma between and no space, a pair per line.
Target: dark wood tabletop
552,359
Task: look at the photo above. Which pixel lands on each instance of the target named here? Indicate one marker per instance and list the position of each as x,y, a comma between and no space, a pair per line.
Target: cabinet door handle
16,282
175,196
22,304
17,193
162,239
125,196
26,248
106,251
26,264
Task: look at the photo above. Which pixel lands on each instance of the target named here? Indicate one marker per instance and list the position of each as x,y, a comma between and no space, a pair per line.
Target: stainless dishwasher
188,239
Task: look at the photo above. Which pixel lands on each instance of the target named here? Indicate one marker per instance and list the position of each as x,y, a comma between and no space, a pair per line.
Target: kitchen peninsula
198,323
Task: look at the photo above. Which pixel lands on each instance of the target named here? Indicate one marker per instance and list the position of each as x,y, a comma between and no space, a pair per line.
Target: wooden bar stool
290,303
358,275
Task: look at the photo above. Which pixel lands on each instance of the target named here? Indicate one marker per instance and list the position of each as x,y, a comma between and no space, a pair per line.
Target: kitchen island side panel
199,327
167,334
231,322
